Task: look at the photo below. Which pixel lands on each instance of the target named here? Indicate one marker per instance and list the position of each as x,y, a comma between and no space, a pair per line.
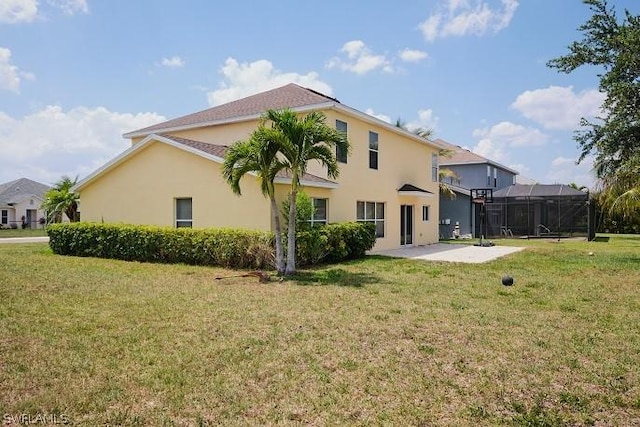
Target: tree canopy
613,46
61,200
284,142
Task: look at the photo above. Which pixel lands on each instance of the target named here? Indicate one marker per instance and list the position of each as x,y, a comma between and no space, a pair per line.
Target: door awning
413,191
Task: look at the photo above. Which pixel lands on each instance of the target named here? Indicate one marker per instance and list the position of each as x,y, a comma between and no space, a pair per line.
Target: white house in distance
20,202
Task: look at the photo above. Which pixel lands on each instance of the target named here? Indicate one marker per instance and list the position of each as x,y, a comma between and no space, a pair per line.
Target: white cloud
359,59
558,107
382,117
495,142
70,7
564,170
24,11
10,75
244,79
463,17
15,11
412,55
426,120
52,142
173,62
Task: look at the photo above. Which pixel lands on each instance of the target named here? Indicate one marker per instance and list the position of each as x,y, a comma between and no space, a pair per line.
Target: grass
18,232
377,341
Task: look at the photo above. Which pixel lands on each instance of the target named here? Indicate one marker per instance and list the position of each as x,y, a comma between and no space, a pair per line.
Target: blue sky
77,74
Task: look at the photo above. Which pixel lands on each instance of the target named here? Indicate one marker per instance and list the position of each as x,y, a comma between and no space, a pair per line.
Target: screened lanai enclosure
535,211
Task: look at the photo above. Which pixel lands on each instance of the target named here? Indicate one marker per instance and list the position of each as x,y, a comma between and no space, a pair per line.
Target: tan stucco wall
154,177
221,135
143,189
401,160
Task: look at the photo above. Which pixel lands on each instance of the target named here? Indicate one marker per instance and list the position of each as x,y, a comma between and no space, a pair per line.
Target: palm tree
620,191
578,187
303,140
425,133
60,199
258,154
445,189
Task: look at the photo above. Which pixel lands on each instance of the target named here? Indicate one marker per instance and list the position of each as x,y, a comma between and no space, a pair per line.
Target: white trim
306,183
415,194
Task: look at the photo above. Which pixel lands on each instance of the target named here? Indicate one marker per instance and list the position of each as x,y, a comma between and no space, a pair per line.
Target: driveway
451,252
43,239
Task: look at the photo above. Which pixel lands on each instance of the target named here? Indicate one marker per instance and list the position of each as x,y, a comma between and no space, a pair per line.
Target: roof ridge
290,95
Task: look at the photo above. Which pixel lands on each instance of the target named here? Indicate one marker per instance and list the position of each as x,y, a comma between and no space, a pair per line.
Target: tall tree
304,140
61,200
614,138
259,155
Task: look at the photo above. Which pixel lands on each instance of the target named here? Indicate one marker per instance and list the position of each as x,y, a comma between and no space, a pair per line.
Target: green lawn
378,341
18,232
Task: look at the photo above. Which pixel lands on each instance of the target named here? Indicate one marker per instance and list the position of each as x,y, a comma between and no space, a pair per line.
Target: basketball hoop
479,200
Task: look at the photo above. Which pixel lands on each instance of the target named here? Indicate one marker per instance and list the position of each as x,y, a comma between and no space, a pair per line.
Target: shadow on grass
334,277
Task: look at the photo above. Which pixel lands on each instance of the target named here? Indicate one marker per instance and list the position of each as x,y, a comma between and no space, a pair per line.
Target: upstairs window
184,213
373,150
434,167
341,155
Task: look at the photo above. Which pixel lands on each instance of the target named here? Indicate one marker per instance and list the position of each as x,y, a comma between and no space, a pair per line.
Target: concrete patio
450,252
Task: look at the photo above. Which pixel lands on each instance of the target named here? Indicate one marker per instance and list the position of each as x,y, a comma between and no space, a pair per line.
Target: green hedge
334,243
236,248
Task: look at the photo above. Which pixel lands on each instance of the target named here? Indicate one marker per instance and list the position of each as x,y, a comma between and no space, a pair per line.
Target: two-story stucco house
171,174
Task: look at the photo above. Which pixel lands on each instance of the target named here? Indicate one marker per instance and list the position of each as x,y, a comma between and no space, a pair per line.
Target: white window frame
4,217
374,151
376,219
434,167
319,221
340,156
183,222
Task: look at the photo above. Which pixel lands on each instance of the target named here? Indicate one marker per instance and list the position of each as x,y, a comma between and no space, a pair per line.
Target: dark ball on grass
507,280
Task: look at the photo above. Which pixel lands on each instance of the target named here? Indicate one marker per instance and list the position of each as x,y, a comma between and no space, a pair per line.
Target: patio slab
451,252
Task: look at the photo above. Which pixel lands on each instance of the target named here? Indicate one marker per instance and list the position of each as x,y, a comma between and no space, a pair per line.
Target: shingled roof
539,190
289,96
20,189
462,156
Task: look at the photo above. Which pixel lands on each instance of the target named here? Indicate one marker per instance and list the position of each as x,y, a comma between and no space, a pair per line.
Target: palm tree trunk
291,235
278,233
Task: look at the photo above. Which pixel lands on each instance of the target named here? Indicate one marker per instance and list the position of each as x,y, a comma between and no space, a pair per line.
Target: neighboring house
20,202
171,175
473,172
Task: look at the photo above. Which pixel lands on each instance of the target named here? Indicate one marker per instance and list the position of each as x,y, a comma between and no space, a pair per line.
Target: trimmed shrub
334,243
234,248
